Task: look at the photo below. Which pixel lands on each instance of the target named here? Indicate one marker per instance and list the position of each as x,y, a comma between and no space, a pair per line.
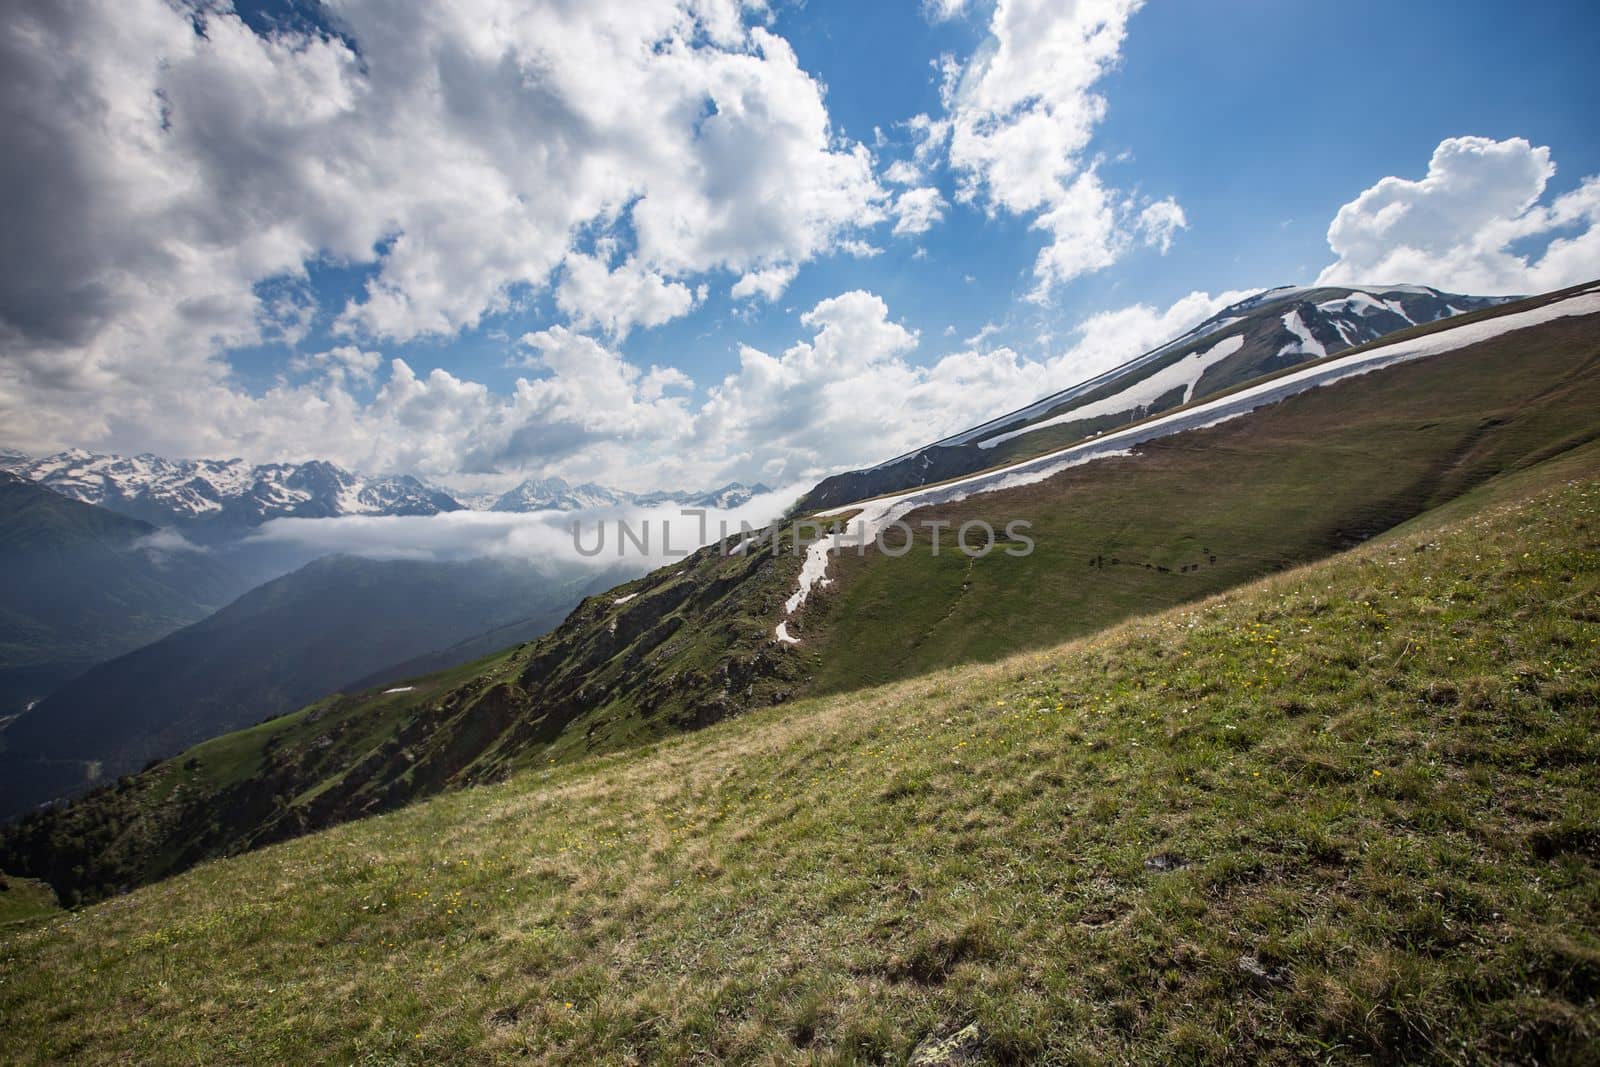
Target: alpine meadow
939,533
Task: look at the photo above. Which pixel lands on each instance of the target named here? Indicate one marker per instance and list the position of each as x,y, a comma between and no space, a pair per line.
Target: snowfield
1357,303
879,513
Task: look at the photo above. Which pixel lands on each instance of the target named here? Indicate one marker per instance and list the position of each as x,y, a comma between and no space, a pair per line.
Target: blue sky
1227,107
1252,123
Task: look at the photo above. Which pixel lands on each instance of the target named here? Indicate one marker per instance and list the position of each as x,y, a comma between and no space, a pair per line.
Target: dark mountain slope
297,638
83,584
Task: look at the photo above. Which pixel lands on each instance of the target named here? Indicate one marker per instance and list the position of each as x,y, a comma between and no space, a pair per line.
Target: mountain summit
555,494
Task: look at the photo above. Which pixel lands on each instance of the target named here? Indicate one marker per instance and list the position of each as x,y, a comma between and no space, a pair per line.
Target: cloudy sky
664,244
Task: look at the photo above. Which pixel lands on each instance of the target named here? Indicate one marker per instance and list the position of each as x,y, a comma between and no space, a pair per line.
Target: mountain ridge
231,495
1276,329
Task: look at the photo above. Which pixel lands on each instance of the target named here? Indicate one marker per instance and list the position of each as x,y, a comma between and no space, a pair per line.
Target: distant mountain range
554,494
233,496
120,642
224,493
1269,332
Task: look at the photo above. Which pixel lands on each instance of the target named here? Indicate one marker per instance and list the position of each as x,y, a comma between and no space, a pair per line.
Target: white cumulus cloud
916,210
1020,115
768,284
615,301
1467,225
1160,221
172,178
339,362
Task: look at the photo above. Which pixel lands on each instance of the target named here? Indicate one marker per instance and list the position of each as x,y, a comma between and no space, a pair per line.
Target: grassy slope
25,900
1289,484
1352,810
243,789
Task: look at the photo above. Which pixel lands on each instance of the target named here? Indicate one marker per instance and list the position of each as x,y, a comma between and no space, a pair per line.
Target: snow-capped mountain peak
228,492
554,494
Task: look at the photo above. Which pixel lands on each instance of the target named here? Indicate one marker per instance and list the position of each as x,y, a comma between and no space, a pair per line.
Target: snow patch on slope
1055,400
877,515
1357,303
1308,345
1186,373
1399,309
1411,290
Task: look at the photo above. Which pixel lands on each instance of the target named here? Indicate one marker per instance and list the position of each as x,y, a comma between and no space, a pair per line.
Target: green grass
1349,812
246,788
25,900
